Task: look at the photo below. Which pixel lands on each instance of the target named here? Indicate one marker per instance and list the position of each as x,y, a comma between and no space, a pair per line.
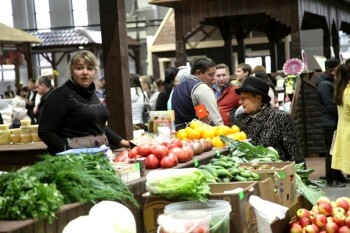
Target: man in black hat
265,125
329,117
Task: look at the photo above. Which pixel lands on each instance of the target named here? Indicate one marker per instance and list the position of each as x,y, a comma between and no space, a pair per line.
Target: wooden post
181,57
116,66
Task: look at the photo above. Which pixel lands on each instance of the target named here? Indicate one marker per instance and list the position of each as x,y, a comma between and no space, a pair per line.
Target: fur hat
255,85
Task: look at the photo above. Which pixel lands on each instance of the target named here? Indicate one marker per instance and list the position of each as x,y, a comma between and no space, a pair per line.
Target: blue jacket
327,106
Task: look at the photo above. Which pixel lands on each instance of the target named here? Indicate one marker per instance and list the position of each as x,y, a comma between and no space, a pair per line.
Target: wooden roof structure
21,40
277,19
12,35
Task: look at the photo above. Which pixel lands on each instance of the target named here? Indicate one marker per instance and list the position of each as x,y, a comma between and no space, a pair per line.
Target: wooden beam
116,66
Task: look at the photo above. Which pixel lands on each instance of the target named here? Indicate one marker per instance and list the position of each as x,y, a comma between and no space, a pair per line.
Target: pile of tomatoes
166,154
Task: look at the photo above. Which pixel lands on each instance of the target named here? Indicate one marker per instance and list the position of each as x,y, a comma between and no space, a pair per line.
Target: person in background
265,125
260,72
242,72
30,100
195,90
100,89
19,108
341,149
170,81
138,101
151,89
72,115
9,93
44,88
19,101
329,117
225,94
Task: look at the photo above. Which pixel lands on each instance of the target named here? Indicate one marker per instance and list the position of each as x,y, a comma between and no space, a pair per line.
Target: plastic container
26,130
218,210
35,137
184,222
25,122
5,137
15,138
34,128
4,126
26,138
16,131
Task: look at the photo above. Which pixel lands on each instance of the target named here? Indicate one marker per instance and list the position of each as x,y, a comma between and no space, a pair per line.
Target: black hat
331,63
257,86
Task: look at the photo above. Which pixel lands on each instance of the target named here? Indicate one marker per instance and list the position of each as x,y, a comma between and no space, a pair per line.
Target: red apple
344,229
304,221
348,213
320,220
323,199
315,209
347,221
343,203
329,219
339,219
325,208
311,229
332,227
337,210
296,228
303,213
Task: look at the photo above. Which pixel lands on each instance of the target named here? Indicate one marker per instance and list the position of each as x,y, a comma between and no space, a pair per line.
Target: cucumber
240,178
221,163
246,174
255,176
210,169
222,172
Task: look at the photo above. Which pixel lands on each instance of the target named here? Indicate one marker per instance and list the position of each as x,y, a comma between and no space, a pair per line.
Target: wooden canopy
12,35
277,19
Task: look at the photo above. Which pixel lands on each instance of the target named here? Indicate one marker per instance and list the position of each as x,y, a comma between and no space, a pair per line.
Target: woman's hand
124,143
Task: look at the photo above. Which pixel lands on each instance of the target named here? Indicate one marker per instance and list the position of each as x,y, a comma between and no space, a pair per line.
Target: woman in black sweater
169,83
73,116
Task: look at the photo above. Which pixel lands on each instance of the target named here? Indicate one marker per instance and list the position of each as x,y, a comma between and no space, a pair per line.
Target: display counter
71,211
15,156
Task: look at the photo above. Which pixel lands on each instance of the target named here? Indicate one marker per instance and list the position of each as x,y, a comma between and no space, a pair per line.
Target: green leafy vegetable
248,152
23,196
82,178
184,184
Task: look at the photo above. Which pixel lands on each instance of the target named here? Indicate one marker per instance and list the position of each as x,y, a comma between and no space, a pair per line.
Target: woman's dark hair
135,82
170,75
341,81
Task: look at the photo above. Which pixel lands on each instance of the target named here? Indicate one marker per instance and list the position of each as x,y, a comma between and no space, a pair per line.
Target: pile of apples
325,217
166,154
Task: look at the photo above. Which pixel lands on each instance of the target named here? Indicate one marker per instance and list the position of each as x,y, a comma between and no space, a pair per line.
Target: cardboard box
283,175
242,216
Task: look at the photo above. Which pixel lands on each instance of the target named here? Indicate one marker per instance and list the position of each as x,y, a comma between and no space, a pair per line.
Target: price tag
241,195
283,174
137,166
195,162
218,153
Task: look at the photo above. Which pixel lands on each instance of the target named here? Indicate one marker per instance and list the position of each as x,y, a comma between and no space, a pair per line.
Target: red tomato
189,152
145,150
174,157
167,162
160,151
133,152
152,162
180,153
176,142
122,157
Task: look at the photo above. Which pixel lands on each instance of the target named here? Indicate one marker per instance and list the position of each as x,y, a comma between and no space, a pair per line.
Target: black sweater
72,111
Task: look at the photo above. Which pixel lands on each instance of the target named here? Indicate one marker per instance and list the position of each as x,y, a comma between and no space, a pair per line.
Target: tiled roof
63,37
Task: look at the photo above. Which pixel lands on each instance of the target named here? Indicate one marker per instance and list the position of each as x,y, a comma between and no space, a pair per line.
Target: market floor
317,163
